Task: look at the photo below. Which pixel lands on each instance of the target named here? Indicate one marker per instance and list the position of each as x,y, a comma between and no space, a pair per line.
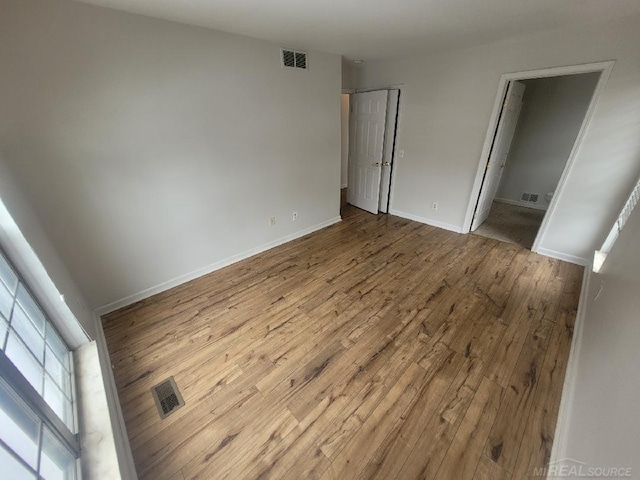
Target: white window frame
17,384
601,255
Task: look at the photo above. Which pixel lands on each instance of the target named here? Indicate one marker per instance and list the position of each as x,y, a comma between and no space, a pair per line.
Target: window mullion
36,348
10,319
10,451
40,445
38,404
74,396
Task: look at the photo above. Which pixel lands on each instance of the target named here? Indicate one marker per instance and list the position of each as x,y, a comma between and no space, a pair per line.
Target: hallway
512,224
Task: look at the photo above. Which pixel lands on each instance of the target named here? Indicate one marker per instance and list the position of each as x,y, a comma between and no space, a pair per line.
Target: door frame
400,88
604,67
495,145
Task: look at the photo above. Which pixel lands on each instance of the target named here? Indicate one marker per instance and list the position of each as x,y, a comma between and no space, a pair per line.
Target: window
37,408
601,255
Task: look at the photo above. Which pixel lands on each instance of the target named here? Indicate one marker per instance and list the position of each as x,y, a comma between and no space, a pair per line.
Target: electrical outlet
294,216
272,221
401,153
434,205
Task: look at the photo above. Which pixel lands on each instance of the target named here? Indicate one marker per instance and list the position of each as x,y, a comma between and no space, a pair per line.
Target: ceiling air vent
294,59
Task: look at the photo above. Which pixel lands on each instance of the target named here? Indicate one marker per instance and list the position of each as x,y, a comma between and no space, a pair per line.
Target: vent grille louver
294,59
288,58
167,397
301,60
530,197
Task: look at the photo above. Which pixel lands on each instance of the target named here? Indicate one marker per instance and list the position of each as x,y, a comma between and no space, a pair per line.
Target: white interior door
387,152
499,151
368,112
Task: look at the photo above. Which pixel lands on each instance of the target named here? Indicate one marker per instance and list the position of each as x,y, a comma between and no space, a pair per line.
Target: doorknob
386,164
377,164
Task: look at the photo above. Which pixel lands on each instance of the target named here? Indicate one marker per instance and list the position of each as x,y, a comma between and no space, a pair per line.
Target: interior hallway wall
552,113
447,102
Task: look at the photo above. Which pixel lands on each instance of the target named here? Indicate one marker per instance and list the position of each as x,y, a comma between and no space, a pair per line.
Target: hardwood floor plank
391,456
537,439
375,348
489,470
355,455
507,432
360,406
461,460
508,349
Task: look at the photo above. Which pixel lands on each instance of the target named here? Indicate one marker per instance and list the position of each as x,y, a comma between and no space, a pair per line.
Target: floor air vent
294,59
167,397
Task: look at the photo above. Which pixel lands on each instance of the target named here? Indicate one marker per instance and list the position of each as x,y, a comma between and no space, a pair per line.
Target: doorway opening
373,127
538,123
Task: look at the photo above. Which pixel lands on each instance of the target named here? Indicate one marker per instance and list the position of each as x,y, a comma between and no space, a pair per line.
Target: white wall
602,427
24,240
344,139
152,150
446,109
348,75
552,113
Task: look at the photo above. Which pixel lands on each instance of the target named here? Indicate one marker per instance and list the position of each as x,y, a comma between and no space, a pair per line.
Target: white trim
428,221
520,204
484,156
344,185
394,165
388,151
604,67
120,437
559,447
398,86
564,256
174,282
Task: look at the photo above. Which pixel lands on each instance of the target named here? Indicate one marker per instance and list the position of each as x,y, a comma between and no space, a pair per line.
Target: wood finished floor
375,348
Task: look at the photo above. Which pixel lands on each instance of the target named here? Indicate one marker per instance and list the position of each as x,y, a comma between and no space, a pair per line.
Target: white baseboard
521,204
428,221
120,437
174,282
559,448
563,256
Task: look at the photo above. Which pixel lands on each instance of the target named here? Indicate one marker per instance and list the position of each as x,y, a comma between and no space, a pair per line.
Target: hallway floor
512,224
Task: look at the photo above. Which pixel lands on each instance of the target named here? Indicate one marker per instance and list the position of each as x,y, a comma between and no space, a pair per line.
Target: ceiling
372,29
